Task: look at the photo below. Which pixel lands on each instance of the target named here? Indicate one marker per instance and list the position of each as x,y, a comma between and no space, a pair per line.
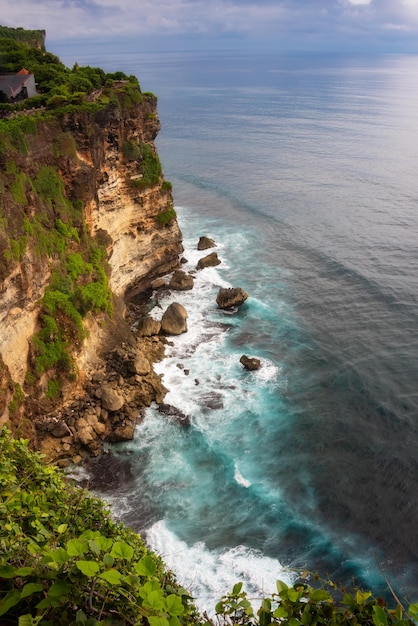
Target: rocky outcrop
111,405
211,260
181,281
250,363
205,243
230,298
174,320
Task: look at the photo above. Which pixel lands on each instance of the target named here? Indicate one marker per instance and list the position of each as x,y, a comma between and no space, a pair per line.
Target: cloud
286,22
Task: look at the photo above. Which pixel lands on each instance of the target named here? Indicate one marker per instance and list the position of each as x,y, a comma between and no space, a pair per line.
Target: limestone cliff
84,208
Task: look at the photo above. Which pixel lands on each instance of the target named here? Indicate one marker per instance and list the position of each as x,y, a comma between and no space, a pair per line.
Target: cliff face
83,180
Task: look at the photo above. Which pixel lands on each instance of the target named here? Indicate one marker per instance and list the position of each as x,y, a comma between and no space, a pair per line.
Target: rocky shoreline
114,396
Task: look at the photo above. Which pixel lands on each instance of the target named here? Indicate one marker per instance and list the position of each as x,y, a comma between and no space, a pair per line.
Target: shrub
66,562
302,605
167,186
131,150
165,217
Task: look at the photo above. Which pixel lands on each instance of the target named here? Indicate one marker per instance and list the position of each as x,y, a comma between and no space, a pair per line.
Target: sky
375,25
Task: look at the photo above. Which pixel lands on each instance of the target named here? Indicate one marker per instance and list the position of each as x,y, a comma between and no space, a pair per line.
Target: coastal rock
250,363
181,281
173,413
174,321
86,436
124,432
141,365
148,327
205,243
229,298
110,399
59,430
158,283
211,260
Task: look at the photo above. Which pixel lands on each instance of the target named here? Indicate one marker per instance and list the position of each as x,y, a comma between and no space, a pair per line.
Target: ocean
303,169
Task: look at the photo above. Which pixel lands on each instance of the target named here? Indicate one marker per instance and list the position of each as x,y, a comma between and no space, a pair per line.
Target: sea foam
210,574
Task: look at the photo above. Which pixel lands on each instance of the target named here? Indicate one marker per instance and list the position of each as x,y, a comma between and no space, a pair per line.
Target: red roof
23,71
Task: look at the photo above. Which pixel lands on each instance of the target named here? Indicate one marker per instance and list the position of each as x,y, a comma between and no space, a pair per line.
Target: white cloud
298,22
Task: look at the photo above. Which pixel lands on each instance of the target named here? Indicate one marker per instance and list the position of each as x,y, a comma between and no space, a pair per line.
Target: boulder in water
175,414
181,281
211,260
229,298
174,320
205,243
250,363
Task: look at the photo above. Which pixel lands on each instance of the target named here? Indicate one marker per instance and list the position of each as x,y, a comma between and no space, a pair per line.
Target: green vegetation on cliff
58,85
33,38
44,192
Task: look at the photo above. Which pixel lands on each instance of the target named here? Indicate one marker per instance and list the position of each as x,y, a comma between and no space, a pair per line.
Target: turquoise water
303,170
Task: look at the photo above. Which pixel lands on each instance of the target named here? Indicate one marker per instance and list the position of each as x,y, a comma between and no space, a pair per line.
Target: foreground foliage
64,561
302,605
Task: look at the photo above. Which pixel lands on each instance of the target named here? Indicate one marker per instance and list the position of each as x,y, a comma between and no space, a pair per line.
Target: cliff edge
87,221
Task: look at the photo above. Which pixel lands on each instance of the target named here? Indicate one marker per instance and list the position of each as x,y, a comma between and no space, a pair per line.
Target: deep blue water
304,171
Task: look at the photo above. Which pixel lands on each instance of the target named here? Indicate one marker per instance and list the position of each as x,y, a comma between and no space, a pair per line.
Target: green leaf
174,621
146,566
88,568
306,616
108,560
280,586
362,596
155,600
174,605
413,611
320,595
236,588
62,528
122,550
7,571
294,595
94,547
81,617
219,608
104,543
12,598
158,621
25,620
24,571
148,587
59,556
75,547
30,588
111,576
280,612
379,616
59,589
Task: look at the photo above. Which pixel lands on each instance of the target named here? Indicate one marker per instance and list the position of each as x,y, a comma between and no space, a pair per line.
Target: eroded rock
211,260
110,399
229,298
174,320
250,363
205,243
181,281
